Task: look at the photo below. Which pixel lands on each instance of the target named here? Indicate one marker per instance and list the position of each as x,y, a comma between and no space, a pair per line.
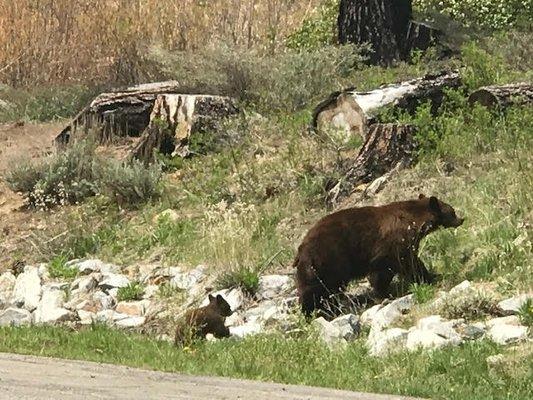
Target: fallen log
503,96
175,117
388,147
355,111
154,116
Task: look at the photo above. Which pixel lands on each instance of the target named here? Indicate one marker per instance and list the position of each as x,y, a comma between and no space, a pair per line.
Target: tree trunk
388,147
503,96
175,117
355,112
381,23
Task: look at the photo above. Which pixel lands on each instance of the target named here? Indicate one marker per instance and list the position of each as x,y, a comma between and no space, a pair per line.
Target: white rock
265,313
441,327
186,280
348,325
472,331
329,333
506,334
85,284
514,303
130,322
86,317
43,272
169,215
27,290
50,308
234,297
381,343
111,280
150,291
15,317
510,320
105,301
368,316
271,286
235,319
249,328
132,308
384,317
425,339
7,284
86,266
495,360
105,316
460,288
113,293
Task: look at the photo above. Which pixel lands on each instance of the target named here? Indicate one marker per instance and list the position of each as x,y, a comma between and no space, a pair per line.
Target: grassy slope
455,373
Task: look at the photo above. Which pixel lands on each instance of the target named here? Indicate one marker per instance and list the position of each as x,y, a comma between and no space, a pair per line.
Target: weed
245,278
525,313
470,305
422,292
133,291
57,268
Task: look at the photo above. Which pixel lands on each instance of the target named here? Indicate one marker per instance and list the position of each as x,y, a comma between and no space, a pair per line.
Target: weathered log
356,111
382,24
388,147
175,117
119,112
503,96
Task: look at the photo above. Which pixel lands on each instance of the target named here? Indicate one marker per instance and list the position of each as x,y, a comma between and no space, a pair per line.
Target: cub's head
444,213
219,303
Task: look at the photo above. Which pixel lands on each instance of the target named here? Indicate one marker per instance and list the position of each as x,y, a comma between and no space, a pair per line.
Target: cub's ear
421,196
434,204
220,299
211,298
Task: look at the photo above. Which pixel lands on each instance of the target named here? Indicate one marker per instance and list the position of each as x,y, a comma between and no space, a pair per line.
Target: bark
388,147
355,112
503,96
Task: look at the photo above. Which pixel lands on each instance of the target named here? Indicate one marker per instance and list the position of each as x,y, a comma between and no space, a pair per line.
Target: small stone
271,286
348,325
86,283
514,304
112,280
510,320
425,339
132,308
329,333
385,316
382,343
507,334
15,317
106,301
7,284
368,316
234,297
249,328
27,290
130,322
472,331
186,280
150,291
86,317
87,266
105,316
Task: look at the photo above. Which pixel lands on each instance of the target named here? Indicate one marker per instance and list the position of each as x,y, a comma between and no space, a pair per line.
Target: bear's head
220,304
444,213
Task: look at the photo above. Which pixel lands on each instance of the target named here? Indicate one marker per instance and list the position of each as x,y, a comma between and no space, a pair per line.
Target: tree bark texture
503,96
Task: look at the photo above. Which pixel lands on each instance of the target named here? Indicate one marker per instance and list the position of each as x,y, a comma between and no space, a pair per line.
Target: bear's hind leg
380,282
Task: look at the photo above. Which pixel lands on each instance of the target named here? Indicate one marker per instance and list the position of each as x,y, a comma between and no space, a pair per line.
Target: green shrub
245,278
134,291
494,14
57,268
470,305
526,313
422,292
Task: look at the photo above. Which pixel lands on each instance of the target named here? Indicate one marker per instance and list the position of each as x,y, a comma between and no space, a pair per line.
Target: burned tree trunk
503,96
175,117
355,112
388,147
380,23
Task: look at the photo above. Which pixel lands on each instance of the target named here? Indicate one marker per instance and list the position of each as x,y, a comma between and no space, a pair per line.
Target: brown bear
199,322
375,242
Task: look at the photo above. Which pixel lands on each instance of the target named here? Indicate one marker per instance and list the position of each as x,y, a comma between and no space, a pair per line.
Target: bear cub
375,242
199,322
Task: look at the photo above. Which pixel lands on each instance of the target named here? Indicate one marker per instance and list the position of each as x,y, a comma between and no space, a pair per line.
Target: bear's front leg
420,273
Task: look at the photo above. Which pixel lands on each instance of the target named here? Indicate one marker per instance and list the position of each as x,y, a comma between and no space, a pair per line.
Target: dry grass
60,41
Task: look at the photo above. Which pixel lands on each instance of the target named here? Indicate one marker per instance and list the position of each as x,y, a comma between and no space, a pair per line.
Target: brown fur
199,322
377,242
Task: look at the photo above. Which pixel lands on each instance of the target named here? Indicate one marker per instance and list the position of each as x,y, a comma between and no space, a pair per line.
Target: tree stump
503,96
388,147
355,111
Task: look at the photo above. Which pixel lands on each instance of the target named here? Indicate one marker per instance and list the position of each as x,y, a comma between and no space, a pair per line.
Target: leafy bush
77,173
422,292
134,291
526,313
470,304
245,278
494,14
318,30
286,81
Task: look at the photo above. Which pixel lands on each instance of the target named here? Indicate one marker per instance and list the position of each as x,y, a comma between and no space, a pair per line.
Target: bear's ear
434,204
220,299
211,298
421,196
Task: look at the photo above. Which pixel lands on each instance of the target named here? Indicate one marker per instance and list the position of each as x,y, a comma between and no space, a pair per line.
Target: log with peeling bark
355,112
503,96
155,116
175,117
388,147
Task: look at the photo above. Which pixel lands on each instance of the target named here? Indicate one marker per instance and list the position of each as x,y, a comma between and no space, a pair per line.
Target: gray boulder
50,308
15,317
384,342
27,290
348,325
272,286
513,304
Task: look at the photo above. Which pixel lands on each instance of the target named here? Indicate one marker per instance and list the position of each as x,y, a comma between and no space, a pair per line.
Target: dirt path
28,377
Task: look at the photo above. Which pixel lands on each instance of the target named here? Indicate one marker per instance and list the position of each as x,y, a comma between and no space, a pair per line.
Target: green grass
58,269
134,291
455,373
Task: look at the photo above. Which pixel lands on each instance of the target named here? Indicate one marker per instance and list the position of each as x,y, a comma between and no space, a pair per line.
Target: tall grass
58,41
